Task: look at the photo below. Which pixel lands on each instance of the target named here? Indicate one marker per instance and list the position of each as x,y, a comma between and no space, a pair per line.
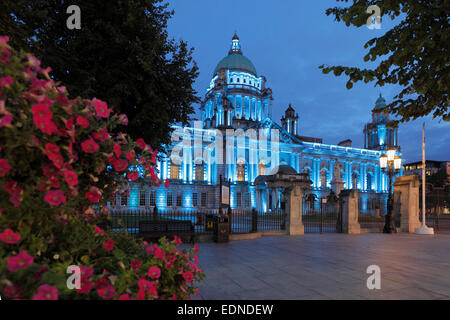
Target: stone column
408,208
350,210
294,226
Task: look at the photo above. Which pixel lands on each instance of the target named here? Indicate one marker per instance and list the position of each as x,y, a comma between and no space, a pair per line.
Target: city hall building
237,140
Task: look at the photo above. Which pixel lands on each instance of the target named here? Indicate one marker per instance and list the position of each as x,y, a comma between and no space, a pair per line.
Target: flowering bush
60,160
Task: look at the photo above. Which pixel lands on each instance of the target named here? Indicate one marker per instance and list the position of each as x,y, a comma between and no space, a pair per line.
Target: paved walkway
329,266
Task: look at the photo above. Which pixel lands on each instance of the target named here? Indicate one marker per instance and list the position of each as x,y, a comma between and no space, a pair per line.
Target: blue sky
287,41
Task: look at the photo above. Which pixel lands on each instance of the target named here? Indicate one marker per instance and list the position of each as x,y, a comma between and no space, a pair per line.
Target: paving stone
329,266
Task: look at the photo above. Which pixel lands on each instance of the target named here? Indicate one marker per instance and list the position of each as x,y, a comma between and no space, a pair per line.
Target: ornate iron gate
321,215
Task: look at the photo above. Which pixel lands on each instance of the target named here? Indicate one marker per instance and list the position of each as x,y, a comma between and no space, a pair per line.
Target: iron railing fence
319,216
127,220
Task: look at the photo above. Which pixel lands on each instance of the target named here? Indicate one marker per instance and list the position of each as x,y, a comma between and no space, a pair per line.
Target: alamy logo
374,281
374,21
74,280
74,20
258,146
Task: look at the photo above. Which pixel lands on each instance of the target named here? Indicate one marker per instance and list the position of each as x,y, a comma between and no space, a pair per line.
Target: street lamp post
390,164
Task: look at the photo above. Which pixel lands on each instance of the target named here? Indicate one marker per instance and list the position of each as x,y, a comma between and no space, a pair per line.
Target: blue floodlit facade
236,126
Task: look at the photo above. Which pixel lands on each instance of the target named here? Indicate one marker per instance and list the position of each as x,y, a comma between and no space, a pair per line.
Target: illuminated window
142,195
174,171
179,199
199,172
169,198
262,169
153,198
241,171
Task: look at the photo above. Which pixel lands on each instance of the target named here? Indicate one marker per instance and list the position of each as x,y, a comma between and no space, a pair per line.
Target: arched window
199,172
174,170
241,171
262,169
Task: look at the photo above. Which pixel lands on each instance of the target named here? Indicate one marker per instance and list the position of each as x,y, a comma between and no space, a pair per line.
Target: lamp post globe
390,164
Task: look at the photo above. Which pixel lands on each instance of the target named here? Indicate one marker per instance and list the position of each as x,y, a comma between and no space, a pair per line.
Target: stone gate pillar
350,211
294,225
408,204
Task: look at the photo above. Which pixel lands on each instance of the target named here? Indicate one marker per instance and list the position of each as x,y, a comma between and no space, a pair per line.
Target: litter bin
221,229
209,222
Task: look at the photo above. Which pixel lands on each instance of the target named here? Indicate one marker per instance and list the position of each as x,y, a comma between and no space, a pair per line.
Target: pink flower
6,81
71,178
12,291
117,150
55,197
123,119
101,135
120,164
195,259
89,146
8,236
177,240
154,272
188,276
101,108
86,286
99,230
144,284
141,143
124,297
107,292
108,244
136,264
83,122
196,248
6,120
94,194
4,167
20,261
132,175
3,41
46,292
41,110
46,125
130,155
158,253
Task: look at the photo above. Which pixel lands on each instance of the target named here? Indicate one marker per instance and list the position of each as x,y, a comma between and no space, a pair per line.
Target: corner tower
379,134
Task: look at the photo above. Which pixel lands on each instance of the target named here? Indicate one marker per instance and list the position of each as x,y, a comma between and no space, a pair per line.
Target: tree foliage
414,54
121,54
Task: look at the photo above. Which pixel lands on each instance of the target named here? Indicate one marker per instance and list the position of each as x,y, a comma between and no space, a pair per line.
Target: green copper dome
380,103
236,60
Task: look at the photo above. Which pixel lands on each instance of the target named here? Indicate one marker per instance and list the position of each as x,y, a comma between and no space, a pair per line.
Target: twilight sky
287,41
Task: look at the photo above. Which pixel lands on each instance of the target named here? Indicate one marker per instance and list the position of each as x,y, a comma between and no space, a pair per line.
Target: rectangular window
153,198
212,200
204,199
199,175
179,199
247,200
195,199
239,199
174,171
169,198
142,196
124,200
